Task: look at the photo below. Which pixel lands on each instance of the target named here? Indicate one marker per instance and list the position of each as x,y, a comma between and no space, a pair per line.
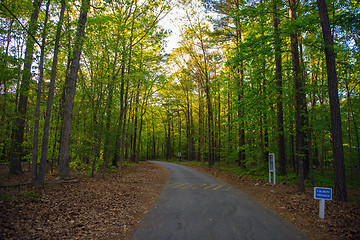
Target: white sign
272,166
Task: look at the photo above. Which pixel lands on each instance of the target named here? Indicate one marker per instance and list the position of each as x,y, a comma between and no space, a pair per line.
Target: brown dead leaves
104,207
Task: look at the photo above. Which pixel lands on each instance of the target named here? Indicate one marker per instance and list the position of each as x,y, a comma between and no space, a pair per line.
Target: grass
31,195
5,197
129,164
261,173
354,199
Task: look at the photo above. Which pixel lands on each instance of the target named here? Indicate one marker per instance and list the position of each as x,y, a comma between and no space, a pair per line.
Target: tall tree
45,139
240,85
338,152
34,170
64,150
300,99
279,90
18,131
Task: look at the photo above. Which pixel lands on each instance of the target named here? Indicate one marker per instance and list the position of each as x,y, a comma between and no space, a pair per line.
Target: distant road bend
196,206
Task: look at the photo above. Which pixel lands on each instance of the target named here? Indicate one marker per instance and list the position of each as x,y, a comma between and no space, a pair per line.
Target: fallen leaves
107,206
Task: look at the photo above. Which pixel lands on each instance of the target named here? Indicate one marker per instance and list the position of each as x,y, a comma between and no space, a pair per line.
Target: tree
38,178
279,90
300,100
64,150
18,131
45,139
338,152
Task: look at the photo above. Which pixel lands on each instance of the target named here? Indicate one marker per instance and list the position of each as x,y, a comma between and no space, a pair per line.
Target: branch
21,24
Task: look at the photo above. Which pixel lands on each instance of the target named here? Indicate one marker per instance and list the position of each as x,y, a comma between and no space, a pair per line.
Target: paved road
194,205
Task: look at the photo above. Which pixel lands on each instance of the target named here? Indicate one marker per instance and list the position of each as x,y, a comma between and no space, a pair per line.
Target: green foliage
31,195
290,178
129,164
77,166
192,163
354,199
5,197
113,169
259,172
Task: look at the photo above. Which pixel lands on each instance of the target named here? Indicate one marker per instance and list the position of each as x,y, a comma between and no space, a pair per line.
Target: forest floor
342,219
110,205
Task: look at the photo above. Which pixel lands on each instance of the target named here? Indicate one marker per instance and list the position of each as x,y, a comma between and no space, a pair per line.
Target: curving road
194,205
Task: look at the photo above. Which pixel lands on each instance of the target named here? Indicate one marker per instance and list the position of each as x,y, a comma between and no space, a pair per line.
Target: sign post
322,194
271,166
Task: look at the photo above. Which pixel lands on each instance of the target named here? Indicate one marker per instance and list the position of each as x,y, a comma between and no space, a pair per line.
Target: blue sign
323,193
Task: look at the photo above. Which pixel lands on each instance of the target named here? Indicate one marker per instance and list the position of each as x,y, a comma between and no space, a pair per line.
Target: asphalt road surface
194,205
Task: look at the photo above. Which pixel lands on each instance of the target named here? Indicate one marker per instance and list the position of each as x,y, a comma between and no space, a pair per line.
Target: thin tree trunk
136,104
229,142
115,73
300,101
18,134
349,129
125,99
358,147
210,123
240,79
45,140
64,151
67,72
142,113
116,157
154,139
279,91
201,127
179,153
108,137
35,178
218,155
3,65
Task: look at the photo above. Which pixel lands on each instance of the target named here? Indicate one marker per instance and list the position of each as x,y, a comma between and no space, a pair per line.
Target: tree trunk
300,101
357,146
108,136
64,151
279,90
229,130
240,79
136,107
45,140
116,157
336,132
210,123
18,131
108,146
348,105
179,152
35,178
201,127
124,108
